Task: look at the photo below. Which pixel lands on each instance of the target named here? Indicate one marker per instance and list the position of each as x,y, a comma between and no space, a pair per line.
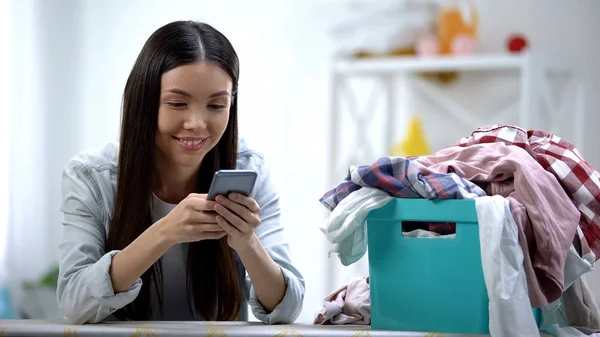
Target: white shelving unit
536,107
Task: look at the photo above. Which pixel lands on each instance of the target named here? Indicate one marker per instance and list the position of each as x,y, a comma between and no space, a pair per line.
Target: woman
140,239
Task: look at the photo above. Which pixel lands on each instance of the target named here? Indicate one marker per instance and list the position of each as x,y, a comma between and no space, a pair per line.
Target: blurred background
324,84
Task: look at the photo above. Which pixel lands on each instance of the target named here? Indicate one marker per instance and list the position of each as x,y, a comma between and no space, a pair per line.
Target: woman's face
193,112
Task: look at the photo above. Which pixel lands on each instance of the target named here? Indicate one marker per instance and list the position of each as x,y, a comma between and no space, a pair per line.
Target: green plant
48,280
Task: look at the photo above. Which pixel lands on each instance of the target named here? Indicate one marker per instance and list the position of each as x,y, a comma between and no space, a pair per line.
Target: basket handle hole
428,229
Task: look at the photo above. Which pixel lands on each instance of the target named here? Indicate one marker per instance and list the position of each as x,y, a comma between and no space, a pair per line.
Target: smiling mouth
195,142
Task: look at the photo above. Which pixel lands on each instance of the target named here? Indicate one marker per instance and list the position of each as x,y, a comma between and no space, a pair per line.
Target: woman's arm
266,275
276,285
129,264
85,293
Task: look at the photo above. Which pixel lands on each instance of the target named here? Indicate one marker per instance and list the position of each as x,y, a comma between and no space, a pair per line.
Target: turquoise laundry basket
6,305
430,285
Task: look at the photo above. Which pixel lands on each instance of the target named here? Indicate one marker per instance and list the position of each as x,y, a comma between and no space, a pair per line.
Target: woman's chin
188,161
190,164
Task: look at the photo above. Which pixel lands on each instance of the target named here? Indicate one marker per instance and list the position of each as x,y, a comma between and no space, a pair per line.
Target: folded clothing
351,304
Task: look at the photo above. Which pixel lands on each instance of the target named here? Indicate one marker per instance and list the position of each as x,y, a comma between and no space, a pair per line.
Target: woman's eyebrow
179,91
220,93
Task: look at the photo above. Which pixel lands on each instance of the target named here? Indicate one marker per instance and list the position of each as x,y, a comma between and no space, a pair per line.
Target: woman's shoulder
100,158
248,158
90,177
95,167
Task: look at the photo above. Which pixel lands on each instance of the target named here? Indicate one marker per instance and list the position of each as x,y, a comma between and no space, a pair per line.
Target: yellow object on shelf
414,144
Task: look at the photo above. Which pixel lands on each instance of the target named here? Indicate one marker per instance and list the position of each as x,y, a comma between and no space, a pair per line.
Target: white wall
44,130
73,58
27,205
555,27
6,97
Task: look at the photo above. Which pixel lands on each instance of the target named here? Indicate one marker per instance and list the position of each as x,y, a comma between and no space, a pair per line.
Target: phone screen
230,181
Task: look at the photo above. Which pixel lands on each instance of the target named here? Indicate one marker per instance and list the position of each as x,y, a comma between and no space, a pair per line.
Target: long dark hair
212,280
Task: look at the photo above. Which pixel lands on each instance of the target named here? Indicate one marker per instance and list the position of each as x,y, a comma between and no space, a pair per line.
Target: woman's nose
195,122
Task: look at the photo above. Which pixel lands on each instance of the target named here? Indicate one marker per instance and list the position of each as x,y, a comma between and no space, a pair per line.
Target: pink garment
537,285
546,217
578,178
350,304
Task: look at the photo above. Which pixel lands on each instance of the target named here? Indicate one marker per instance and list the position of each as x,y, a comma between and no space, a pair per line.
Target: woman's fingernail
234,196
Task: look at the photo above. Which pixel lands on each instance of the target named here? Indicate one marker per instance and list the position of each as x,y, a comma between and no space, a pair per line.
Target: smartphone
232,181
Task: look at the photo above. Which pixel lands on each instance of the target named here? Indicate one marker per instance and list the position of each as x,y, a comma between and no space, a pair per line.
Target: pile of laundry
552,196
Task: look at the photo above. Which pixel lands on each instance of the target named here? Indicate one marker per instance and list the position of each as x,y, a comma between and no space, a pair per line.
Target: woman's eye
177,105
217,106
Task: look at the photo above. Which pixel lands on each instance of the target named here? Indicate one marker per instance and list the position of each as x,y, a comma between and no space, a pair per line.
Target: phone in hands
232,181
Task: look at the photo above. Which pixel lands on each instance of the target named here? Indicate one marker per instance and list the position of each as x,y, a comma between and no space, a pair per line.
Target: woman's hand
238,215
191,220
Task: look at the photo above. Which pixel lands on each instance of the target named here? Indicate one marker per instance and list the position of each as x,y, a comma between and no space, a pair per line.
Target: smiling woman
140,239
197,96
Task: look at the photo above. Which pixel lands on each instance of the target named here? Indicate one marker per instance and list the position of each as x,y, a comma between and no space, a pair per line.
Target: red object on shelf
516,43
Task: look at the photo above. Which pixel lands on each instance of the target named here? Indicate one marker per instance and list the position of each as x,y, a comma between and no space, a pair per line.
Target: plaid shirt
559,157
402,178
